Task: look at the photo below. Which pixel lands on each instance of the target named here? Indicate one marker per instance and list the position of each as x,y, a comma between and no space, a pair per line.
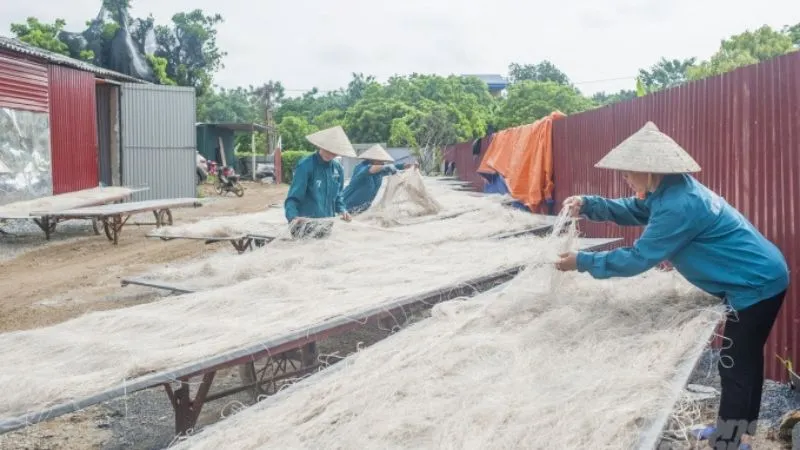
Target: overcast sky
600,45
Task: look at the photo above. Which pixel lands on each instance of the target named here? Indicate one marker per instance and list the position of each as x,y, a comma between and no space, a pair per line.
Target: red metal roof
23,84
21,49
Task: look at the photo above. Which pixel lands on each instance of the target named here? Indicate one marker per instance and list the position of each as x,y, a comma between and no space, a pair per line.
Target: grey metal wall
158,140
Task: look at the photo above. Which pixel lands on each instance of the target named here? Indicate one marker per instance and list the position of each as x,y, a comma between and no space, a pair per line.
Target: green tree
426,133
355,89
544,71
229,105
41,35
793,31
370,119
468,105
529,101
329,118
268,96
744,49
183,53
244,143
313,104
603,98
190,48
666,73
159,66
118,10
293,131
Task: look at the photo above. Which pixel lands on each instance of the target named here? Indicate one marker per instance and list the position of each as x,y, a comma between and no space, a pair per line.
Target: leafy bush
289,160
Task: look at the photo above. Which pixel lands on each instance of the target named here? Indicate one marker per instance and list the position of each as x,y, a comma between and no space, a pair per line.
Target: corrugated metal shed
73,129
158,140
20,48
743,128
208,136
23,84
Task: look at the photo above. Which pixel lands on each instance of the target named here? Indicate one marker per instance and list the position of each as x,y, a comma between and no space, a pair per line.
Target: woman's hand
574,203
346,216
568,262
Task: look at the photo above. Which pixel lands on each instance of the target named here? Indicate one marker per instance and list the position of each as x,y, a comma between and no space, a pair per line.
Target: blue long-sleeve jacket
316,189
364,186
707,241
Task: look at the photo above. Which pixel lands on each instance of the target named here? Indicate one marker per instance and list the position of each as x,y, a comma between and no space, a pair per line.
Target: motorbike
228,181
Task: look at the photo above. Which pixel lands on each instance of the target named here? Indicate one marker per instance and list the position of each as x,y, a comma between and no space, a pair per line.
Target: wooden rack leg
113,227
187,410
47,225
310,354
46,222
241,245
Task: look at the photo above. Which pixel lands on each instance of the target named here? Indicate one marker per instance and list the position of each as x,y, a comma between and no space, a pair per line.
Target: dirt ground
76,272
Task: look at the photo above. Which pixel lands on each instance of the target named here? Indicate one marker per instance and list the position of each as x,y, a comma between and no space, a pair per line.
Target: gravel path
25,236
777,398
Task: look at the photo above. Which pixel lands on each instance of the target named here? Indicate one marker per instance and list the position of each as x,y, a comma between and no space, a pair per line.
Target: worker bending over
367,178
317,184
708,242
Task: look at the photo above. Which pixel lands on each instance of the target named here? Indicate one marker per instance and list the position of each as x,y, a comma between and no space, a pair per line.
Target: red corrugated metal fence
466,162
743,128
73,130
23,84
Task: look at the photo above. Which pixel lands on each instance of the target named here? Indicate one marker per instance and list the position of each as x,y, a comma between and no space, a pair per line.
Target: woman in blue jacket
317,185
368,177
708,242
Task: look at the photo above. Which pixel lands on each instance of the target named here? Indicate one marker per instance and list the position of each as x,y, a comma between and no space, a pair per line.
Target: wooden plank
122,208
79,199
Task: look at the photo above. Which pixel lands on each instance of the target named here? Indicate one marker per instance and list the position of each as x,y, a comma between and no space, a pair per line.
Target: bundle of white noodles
269,222
553,361
404,195
371,245
403,199
286,286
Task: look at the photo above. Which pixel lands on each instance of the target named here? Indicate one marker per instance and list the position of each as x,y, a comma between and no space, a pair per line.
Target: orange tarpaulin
524,157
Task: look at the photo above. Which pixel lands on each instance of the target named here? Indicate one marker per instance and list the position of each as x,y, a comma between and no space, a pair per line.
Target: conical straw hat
333,140
376,153
649,151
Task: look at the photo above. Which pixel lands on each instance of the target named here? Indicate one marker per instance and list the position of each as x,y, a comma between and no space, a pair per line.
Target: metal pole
270,132
253,150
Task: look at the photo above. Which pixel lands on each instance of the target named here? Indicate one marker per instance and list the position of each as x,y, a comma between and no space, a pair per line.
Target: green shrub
289,160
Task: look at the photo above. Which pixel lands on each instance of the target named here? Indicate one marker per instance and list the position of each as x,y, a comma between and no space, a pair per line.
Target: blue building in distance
496,83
